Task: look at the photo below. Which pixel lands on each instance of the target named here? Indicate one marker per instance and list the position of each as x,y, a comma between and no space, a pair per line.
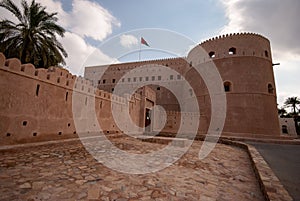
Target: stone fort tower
244,62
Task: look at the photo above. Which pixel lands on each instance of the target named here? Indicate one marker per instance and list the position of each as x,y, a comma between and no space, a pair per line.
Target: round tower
244,62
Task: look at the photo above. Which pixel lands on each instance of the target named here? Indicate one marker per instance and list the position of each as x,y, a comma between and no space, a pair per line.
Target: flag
144,42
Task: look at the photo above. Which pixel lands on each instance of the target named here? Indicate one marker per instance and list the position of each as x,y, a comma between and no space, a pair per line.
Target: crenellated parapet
233,35
57,76
234,45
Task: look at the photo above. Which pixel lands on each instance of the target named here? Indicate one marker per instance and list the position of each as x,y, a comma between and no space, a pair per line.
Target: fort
37,104
43,111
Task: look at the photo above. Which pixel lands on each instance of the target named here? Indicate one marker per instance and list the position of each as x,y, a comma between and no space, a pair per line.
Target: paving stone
69,172
93,193
25,185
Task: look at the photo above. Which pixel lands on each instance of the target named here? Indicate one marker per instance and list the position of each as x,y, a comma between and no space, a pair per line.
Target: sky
90,24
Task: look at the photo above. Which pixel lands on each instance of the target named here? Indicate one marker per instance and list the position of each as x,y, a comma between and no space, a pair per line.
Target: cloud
128,40
278,21
275,19
90,19
82,54
56,7
87,18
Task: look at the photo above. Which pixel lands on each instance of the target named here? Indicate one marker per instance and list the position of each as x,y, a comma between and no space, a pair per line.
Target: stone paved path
66,171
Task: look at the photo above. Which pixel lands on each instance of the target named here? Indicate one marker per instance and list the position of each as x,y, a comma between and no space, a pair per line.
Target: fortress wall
31,106
36,104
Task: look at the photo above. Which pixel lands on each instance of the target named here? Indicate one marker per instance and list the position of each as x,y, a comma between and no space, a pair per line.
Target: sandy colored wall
36,104
289,123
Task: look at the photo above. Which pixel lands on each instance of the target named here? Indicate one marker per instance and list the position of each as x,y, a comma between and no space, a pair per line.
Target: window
159,77
128,79
270,89
266,53
171,77
232,51
158,88
99,81
147,78
178,77
103,81
134,79
113,80
284,129
67,93
153,78
191,64
112,89
211,54
123,79
191,92
227,86
141,79
37,90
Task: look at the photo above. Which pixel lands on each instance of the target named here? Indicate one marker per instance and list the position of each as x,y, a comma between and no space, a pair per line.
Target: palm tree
282,112
33,38
292,102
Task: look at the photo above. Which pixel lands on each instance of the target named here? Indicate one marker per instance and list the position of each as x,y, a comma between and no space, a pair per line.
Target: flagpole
140,48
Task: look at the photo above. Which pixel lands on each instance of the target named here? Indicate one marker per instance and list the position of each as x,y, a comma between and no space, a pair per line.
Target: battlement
224,36
231,45
56,76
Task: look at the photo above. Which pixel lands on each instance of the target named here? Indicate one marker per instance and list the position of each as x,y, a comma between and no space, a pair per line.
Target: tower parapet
235,45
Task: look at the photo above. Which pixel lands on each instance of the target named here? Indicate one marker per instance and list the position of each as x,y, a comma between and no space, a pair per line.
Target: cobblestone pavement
66,171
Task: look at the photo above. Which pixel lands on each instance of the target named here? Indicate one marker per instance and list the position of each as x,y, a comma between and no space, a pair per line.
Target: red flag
144,42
